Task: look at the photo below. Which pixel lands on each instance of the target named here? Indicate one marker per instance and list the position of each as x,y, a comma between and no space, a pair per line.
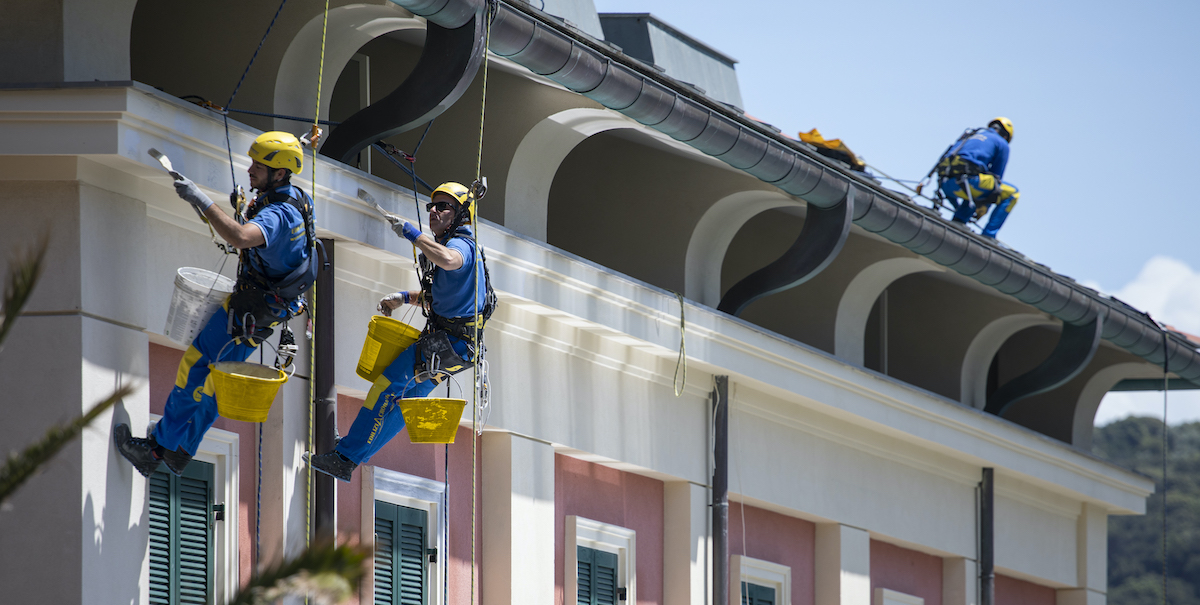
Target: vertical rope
258,506
476,386
228,104
1166,443
681,361
312,386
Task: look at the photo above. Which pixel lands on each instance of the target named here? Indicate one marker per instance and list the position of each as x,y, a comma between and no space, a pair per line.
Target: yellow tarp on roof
839,149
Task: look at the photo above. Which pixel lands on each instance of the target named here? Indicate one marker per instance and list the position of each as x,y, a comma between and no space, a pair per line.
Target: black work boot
138,451
333,464
176,461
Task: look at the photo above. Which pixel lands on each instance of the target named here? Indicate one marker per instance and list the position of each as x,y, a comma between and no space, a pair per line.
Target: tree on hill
1135,552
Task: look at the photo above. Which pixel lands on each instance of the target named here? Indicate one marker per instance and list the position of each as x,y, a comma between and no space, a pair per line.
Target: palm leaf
325,573
23,275
23,465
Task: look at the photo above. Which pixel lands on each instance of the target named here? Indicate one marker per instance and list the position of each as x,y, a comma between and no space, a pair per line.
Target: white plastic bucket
198,294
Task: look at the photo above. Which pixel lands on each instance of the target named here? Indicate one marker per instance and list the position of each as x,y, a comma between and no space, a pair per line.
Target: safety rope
682,359
489,12
1166,442
228,144
312,386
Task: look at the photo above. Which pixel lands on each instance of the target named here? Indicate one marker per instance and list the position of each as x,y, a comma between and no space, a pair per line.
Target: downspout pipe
720,491
591,68
324,396
987,538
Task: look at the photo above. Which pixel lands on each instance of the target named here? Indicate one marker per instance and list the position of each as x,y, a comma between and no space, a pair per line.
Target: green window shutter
181,536
400,561
753,594
597,576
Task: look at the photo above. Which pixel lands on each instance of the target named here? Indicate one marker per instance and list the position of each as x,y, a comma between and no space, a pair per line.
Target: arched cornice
983,349
860,296
350,27
711,238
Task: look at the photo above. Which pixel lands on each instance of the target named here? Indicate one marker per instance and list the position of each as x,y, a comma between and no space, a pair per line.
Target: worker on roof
971,172
454,289
277,264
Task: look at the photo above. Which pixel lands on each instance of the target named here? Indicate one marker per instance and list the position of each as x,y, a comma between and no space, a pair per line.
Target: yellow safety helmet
277,149
1006,124
461,194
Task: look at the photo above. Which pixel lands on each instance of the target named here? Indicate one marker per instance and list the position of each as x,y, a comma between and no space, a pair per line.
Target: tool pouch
436,358
250,315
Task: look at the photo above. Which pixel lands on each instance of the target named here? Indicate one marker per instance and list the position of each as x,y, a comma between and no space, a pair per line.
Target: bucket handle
284,370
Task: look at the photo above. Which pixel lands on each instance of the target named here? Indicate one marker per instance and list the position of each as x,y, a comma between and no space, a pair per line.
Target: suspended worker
971,172
455,293
277,264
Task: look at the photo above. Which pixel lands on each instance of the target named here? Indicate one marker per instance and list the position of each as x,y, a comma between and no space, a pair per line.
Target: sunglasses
440,206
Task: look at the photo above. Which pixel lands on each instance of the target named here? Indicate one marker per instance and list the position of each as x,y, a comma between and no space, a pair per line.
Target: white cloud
1169,290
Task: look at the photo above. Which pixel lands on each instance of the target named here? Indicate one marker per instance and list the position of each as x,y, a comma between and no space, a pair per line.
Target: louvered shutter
753,594
400,561
597,576
181,536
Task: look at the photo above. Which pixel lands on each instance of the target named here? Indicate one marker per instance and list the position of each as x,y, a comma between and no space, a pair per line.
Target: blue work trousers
982,187
379,419
191,407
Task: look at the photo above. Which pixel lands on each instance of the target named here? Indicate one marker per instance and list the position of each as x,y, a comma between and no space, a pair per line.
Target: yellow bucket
432,420
244,391
386,338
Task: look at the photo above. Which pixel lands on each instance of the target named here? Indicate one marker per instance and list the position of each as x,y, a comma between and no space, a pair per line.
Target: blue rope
228,145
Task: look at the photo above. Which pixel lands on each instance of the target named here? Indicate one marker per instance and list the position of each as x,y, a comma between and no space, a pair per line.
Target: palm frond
325,573
23,465
24,271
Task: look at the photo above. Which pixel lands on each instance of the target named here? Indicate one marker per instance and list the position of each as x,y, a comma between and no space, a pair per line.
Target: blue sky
1103,96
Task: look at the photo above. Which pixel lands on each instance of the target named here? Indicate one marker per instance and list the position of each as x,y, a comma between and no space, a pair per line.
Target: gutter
596,70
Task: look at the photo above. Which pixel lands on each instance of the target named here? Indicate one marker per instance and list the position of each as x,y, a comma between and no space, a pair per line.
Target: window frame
581,531
763,573
887,596
410,491
220,449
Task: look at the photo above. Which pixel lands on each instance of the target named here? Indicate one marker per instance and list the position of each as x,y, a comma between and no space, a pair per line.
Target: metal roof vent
645,37
579,13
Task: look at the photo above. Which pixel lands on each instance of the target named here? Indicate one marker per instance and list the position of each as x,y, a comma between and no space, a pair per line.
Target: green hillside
1135,556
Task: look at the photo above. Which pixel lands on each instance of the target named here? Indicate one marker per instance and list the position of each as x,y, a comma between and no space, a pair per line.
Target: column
687,544
843,566
518,520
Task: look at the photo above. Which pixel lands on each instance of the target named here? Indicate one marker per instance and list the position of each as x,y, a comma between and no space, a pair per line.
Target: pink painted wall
618,498
779,539
427,461
164,362
1011,591
907,571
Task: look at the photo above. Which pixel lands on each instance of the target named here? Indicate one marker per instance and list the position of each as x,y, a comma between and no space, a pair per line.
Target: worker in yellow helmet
277,264
971,172
455,290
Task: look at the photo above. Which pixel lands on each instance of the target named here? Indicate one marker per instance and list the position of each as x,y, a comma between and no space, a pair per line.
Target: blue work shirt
452,290
988,149
282,226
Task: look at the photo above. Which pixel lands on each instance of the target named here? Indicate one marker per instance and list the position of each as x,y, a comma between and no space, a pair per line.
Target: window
597,576
600,562
400,577
754,594
409,537
884,596
762,582
219,453
182,516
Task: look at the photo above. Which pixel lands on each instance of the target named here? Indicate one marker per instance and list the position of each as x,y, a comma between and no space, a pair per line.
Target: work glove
190,193
406,230
980,210
392,301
